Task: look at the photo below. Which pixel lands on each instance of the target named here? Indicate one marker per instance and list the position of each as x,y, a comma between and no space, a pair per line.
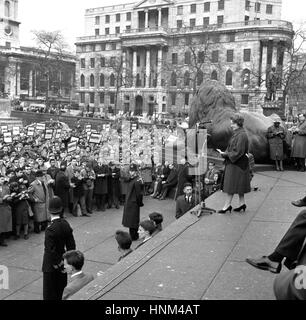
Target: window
173,98
269,9
186,99
82,96
117,30
221,5
7,9
257,6
128,16
175,42
103,46
214,75
231,37
246,20
247,55
206,21
112,97
206,6
92,62
92,80
107,19
192,22
200,77
93,47
113,46
188,57
229,78
138,61
173,79
201,56
97,32
179,24
215,56
83,63
102,80
82,80
244,99
247,5
92,97
102,62
215,38
179,10
97,20
174,58
112,80
106,30
230,55
128,28
193,8
102,97
186,78
118,17
220,20
113,61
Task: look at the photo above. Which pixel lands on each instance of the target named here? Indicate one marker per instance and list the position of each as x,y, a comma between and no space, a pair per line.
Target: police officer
133,202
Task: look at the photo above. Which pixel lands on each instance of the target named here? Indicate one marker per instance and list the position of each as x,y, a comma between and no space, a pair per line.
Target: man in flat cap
58,239
133,202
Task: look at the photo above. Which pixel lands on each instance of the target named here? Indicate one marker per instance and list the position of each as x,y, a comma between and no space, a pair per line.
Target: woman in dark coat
62,185
5,211
101,184
133,202
236,173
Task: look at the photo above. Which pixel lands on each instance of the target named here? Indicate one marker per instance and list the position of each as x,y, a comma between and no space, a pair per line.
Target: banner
57,133
74,139
48,134
41,126
95,138
30,132
7,137
88,128
72,146
16,131
4,129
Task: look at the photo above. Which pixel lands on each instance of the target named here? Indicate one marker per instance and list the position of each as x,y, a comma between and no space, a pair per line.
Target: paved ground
191,259
94,236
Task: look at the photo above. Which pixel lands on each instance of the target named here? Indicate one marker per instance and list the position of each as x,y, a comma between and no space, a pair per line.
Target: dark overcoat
276,142
62,187
5,210
299,142
237,172
133,202
101,183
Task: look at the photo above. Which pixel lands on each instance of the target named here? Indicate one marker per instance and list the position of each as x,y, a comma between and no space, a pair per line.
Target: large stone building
151,56
21,75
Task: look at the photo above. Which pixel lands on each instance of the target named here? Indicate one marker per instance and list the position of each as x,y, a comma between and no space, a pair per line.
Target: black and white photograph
152,152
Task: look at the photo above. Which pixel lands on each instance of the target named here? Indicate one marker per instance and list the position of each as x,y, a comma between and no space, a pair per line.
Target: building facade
151,56
21,75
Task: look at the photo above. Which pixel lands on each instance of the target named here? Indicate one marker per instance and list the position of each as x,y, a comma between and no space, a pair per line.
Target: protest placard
30,131
88,128
16,131
74,139
72,146
95,138
41,126
7,137
4,129
48,134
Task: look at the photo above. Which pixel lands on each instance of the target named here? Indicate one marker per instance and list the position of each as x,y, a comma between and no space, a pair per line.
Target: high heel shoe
243,207
224,211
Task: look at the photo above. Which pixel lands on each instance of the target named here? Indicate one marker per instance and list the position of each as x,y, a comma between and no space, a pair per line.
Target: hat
133,167
275,118
124,239
39,173
56,205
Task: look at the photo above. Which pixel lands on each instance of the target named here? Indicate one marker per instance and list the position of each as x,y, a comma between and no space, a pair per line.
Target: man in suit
171,182
58,239
133,202
73,262
291,248
185,202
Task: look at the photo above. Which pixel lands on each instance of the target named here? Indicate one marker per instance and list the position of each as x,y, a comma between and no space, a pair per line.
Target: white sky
68,15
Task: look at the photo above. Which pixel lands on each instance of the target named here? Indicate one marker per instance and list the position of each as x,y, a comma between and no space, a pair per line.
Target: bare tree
51,47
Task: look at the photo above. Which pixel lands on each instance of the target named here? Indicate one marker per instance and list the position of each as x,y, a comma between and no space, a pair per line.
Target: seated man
157,219
124,243
185,202
210,178
290,248
73,262
171,182
145,231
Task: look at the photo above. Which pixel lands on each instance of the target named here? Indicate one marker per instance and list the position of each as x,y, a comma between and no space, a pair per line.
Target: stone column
134,66
264,67
286,65
31,83
124,65
159,66
148,66
274,55
159,17
146,19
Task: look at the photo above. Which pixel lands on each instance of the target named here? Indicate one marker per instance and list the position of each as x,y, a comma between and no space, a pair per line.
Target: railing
286,25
